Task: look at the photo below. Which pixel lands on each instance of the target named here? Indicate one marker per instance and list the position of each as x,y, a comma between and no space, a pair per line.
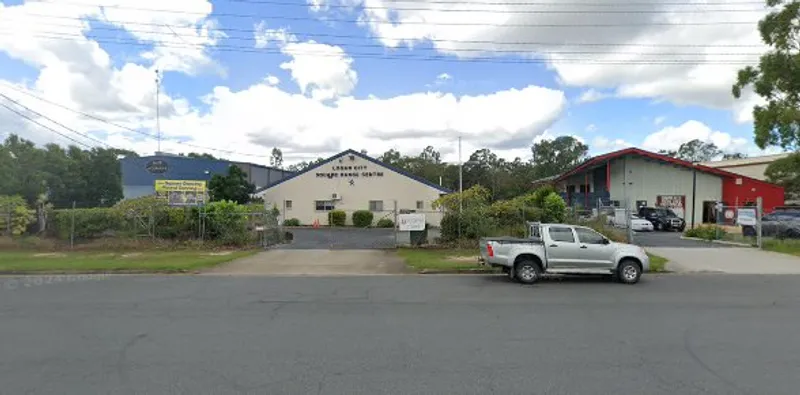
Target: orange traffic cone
316,223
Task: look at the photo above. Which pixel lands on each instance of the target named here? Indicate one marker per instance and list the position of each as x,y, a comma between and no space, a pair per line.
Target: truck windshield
663,212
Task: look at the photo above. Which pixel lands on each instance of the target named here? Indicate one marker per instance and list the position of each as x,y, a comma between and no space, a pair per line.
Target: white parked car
640,224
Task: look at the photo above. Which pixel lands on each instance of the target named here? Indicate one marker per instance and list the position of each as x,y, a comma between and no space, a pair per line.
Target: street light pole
460,179
694,190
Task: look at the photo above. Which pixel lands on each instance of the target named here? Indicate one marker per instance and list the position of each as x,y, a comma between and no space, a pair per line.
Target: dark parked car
662,218
780,224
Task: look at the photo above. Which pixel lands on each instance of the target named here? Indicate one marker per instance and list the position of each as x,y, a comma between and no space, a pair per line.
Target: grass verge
429,260
785,246
658,264
109,262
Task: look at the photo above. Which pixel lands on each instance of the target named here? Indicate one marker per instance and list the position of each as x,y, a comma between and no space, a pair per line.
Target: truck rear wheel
527,271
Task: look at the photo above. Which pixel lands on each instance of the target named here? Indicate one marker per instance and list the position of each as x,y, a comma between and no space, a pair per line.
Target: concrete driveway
315,262
727,260
671,239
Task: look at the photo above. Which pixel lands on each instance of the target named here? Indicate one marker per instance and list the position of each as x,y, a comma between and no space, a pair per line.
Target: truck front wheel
527,271
629,272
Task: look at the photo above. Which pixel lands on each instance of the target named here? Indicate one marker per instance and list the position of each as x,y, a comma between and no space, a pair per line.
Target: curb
457,271
732,243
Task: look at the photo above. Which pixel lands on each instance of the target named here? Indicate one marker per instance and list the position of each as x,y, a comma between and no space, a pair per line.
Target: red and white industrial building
634,177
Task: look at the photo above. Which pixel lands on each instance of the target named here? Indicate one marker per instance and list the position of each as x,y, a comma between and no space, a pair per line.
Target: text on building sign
349,172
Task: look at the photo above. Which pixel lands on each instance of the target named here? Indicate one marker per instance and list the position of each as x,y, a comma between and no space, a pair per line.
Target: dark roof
601,159
362,156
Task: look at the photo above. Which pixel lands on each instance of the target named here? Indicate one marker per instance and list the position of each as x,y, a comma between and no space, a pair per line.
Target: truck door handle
583,246
553,245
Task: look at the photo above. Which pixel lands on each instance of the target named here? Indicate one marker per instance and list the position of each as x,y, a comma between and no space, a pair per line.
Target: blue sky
231,94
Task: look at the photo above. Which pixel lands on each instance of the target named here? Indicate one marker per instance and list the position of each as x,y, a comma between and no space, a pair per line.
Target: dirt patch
220,253
50,255
462,258
131,255
315,263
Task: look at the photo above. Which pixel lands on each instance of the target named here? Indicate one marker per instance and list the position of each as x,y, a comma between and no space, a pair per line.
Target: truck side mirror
606,241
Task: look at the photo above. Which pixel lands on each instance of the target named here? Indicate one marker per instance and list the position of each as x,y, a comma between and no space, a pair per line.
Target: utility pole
694,190
460,179
158,111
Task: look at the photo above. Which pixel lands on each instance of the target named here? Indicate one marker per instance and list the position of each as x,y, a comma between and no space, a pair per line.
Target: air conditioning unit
352,157
335,196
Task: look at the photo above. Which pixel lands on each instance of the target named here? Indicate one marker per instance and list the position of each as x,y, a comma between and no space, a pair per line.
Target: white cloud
671,138
444,77
264,35
591,128
625,61
591,95
272,80
602,144
659,120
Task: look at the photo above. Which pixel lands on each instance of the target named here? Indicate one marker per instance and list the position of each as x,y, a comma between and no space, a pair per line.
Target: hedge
362,218
89,223
385,223
291,222
15,216
337,218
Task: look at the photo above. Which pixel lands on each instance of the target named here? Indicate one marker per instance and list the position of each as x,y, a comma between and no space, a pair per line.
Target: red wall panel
749,190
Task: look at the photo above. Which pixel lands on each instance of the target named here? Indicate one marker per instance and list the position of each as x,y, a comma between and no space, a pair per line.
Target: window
288,204
323,205
420,204
564,235
588,236
376,205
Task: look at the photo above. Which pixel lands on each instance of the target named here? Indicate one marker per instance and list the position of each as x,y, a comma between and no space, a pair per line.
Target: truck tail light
489,249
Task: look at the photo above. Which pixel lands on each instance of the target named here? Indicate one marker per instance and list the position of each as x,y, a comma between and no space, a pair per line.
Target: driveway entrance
727,260
673,240
315,262
341,239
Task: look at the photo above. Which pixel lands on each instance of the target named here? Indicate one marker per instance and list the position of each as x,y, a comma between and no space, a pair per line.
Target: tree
200,156
276,159
776,78
298,167
695,151
553,157
786,173
233,186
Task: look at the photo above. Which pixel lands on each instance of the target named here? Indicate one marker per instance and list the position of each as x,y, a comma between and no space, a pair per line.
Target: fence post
396,225
759,211
72,227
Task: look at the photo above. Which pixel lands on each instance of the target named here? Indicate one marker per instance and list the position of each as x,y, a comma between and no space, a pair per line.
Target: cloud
602,145
591,128
272,80
659,120
624,57
671,138
444,77
320,70
592,95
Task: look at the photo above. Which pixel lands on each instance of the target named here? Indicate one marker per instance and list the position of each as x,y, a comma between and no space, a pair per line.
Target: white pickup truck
563,249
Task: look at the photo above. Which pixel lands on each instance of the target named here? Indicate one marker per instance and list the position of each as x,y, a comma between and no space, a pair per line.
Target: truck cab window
563,235
587,236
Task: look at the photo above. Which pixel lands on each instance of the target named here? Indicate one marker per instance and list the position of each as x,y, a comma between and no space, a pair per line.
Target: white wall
372,182
649,178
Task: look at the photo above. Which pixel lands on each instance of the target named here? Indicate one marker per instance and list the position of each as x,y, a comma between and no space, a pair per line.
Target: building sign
182,192
746,216
157,166
411,222
349,171
676,203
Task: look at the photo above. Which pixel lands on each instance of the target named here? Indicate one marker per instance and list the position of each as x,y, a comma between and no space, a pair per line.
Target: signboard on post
411,222
182,192
746,216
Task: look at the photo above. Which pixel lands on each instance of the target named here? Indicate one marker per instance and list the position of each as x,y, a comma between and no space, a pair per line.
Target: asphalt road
327,238
671,334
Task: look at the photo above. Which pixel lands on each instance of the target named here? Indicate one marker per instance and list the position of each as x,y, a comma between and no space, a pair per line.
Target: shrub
89,223
470,224
291,222
337,218
15,216
227,222
540,195
362,218
385,223
554,208
706,232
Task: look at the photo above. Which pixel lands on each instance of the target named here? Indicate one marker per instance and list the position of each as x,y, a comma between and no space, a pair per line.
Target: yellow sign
182,192
180,186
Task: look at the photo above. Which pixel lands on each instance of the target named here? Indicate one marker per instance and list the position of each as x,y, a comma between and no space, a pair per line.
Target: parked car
638,224
780,224
662,218
563,249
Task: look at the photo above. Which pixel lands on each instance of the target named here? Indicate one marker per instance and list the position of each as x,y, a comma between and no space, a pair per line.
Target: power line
94,117
44,126
185,44
526,25
400,9
54,121
351,36
446,58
